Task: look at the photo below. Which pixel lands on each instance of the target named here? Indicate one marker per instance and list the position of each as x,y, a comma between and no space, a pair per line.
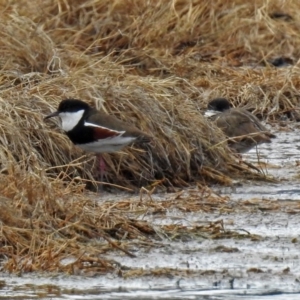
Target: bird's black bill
54,114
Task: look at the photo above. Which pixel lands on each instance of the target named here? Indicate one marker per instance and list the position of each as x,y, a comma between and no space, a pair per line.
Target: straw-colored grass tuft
154,64
51,227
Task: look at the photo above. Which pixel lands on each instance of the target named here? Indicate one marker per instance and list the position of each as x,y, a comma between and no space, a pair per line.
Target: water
266,268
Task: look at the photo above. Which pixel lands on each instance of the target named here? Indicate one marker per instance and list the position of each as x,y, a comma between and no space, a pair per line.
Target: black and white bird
96,131
242,127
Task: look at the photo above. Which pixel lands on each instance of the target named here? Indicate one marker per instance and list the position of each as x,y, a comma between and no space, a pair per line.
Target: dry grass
152,63
39,231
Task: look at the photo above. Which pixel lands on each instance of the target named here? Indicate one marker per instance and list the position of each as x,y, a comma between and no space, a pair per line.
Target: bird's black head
69,106
72,105
219,104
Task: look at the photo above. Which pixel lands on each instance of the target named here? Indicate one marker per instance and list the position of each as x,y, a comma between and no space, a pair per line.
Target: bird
95,131
243,129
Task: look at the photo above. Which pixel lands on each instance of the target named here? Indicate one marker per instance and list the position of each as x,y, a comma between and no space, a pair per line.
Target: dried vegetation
151,63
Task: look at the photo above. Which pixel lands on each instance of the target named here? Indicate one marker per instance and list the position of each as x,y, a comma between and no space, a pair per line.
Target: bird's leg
239,157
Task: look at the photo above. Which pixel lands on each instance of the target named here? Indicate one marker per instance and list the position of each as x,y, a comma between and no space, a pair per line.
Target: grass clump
153,64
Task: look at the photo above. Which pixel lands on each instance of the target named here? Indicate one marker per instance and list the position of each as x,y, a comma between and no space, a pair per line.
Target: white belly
107,145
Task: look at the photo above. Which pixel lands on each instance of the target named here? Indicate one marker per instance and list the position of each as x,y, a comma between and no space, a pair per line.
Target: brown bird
243,128
95,131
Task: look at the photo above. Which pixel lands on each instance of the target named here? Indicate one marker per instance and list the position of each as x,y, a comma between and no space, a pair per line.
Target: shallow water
268,268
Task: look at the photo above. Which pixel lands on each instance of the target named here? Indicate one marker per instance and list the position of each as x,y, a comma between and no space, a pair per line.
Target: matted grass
41,229
153,64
